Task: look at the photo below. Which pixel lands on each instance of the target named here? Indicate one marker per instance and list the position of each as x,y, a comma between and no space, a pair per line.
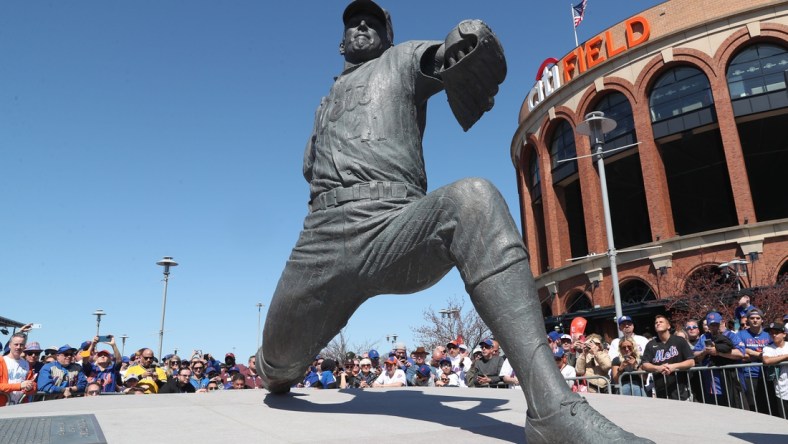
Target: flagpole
574,28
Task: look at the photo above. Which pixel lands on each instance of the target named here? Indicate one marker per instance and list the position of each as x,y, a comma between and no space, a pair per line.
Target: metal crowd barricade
586,378
697,381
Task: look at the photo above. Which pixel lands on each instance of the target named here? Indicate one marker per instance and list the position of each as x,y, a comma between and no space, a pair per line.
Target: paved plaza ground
412,415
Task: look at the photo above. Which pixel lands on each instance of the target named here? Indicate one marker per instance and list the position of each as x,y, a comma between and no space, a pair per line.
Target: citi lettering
583,58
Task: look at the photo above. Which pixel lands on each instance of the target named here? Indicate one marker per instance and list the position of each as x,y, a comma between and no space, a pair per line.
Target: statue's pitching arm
472,65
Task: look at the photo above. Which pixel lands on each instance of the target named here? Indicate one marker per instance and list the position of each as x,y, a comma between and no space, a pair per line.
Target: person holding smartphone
627,361
720,347
101,368
593,360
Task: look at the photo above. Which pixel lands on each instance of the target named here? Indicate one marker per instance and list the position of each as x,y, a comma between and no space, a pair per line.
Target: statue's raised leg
508,303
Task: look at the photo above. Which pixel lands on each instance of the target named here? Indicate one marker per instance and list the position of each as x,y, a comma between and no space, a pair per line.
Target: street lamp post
98,314
449,313
738,268
259,306
123,338
595,127
166,262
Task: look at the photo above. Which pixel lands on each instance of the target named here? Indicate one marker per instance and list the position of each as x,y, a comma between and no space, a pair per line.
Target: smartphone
709,343
35,326
105,338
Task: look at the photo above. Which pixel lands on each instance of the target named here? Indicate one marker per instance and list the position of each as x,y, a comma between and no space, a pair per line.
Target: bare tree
340,346
704,290
707,289
772,299
445,325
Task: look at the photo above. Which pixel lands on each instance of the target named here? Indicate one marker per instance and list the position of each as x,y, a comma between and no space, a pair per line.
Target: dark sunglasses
147,358
69,354
692,327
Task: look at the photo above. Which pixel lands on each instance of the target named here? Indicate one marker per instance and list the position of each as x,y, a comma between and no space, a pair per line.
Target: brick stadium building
701,85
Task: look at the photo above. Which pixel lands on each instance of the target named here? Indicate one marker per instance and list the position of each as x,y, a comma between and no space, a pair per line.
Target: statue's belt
363,191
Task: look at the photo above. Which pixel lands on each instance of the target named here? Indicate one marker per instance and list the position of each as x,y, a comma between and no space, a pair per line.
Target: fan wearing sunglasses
62,378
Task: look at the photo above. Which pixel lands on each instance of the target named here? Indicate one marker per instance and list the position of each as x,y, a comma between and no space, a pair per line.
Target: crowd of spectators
681,362
31,373
631,365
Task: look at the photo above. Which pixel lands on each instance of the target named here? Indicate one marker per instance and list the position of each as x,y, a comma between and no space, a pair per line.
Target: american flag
578,12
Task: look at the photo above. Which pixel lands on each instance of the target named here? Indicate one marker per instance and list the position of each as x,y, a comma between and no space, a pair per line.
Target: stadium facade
695,168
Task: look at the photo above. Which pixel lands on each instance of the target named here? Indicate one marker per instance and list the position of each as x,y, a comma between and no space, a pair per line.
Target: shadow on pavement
762,438
412,405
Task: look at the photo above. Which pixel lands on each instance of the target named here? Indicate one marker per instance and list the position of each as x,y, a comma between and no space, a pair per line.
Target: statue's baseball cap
370,7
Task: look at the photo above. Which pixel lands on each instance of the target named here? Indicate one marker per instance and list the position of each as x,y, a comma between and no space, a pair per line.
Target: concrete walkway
412,415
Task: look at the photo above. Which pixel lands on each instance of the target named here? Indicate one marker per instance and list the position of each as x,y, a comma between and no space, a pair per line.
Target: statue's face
365,39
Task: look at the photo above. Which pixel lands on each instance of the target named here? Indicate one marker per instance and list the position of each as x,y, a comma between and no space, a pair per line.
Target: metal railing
608,386
728,386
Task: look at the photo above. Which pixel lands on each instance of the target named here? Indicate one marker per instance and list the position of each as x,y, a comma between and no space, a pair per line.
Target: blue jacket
54,378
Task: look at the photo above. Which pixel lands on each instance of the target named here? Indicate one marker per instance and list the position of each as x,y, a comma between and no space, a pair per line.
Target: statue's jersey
371,124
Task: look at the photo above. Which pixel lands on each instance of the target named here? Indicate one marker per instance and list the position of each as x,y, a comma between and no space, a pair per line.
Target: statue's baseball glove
473,67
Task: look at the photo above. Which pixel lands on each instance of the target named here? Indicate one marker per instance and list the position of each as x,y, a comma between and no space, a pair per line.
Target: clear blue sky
135,130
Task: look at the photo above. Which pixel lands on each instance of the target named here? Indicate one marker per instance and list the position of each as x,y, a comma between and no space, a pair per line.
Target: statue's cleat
577,422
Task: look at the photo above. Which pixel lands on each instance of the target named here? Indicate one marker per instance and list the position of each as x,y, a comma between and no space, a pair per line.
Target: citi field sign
553,74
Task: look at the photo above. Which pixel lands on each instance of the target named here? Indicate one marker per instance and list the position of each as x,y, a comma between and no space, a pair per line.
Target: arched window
680,100
756,81
534,178
616,106
679,91
783,273
578,301
635,290
757,69
562,146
